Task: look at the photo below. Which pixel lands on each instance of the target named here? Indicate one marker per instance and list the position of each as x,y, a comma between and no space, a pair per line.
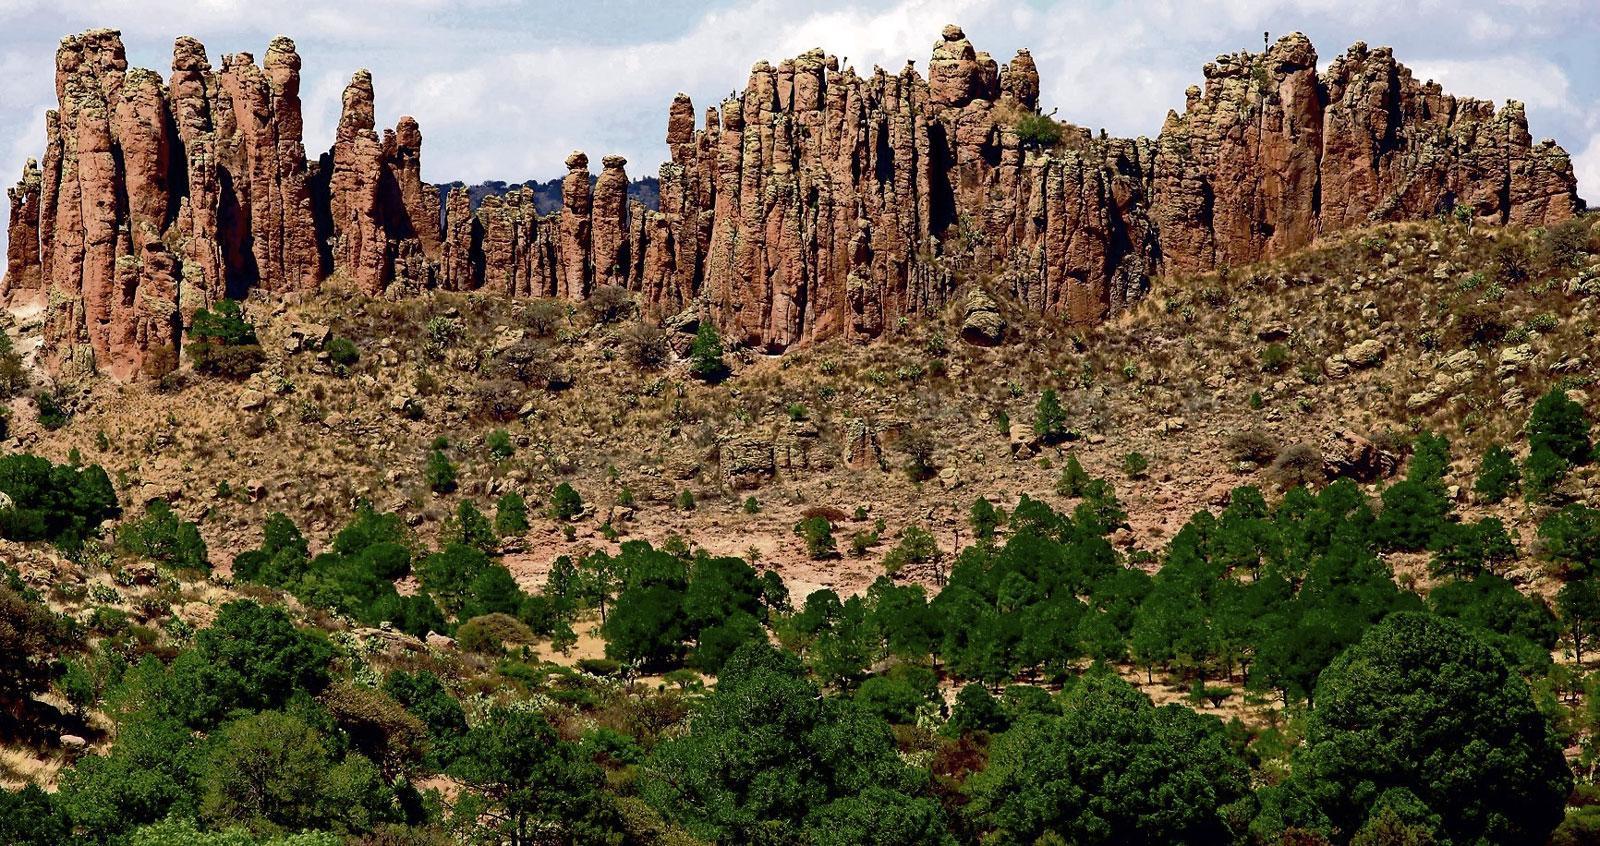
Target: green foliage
52,415
984,518
705,355
532,780
32,638
1111,769
1522,628
1541,473
685,500
1049,418
1559,424
565,503
469,527
1074,480
221,343
916,548
1134,465
1274,358
58,503
1570,538
165,538
439,472
272,773
1579,604
817,532
252,658
767,761
1421,704
1038,132
1465,550
343,352
510,515
499,445
1498,476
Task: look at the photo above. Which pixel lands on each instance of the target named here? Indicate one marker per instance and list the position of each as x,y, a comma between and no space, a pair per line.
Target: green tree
163,537
1111,769
1421,703
268,772
1498,476
1559,425
705,355
538,787
252,657
1579,604
439,472
499,444
565,503
470,528
32,638
1049,419
768,761
817,531
1571,538
916,548
1074,480
510,515
984,518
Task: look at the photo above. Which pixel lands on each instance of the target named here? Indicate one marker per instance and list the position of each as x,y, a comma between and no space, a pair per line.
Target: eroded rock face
817,203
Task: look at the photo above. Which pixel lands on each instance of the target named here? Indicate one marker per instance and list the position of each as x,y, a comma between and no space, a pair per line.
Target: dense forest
1002,709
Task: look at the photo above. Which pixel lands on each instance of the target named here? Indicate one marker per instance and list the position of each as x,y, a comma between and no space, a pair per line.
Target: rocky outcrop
818,203
24,279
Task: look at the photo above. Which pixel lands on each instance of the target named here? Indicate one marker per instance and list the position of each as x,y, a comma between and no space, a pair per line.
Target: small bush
565,503
1298,465
1038,132
818,535
1134,465
609,303
916,546
439,472
1253,444
645,345
489,633
51,415
510,515
343,352
499,445
1275,358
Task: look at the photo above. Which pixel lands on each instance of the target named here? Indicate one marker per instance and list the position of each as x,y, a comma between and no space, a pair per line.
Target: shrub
498,442
916,546
163,537
1541,473
510,515
489,633
1038,132
645,345
917,444
1298,465
565,503
439,472
1134,464
818,534
984,518
51,415
609,303
751,506
1275,358
685,500
343,352
1074,480
1253,444
1560,425
222,343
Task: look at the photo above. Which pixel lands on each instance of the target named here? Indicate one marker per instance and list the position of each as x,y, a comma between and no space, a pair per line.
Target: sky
504,89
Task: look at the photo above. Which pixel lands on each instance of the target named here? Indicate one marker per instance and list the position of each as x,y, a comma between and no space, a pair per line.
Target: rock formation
818,203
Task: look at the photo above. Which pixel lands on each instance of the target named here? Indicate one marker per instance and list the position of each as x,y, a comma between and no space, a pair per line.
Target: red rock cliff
819,203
